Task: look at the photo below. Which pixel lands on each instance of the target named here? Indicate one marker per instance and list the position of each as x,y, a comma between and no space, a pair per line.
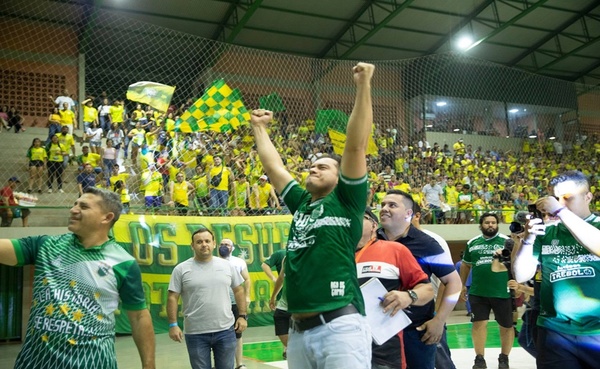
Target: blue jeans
345,342
418,354
221,343
443,358
54,129
560,350
218,199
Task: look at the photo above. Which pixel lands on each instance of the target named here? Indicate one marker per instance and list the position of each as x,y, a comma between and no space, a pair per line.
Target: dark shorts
236,315
481,307
281,319
181,209
153,201
36,163
17,212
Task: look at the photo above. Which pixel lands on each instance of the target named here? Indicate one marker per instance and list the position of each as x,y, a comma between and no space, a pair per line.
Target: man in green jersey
568,249
328,328
79,279
488,290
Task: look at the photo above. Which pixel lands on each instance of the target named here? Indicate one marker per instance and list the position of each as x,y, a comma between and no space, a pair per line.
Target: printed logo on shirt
371,269
572,271
337,288
103,269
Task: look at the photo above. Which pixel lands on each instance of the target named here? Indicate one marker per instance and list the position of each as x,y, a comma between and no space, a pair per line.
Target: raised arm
267,152
354,164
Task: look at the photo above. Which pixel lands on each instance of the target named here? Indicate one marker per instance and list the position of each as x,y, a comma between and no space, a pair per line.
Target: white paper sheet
383,326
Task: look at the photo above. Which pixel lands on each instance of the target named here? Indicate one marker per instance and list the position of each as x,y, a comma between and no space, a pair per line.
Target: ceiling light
513,110
463,43
441,103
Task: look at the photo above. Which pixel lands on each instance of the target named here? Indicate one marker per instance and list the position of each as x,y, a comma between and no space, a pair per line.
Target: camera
535,213
504,256
520,220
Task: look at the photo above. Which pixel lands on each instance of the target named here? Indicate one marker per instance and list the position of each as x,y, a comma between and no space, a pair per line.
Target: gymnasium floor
262,350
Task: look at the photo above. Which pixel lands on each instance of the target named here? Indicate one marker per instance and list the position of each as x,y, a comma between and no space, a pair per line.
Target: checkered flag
220,109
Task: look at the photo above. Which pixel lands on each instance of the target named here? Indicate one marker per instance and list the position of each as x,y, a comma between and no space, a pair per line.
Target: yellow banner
338,140
159,243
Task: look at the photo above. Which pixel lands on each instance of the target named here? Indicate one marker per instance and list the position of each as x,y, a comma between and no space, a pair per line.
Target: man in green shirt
328,327
489,289
78,282
568,249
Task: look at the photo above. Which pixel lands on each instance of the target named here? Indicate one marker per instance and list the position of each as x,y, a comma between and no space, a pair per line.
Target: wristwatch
245,316
413,296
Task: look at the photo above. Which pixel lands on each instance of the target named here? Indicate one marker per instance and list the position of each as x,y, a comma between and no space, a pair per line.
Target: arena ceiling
558,38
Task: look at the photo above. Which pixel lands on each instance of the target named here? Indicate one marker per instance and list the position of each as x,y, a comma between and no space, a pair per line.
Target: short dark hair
416,208
572,175
336,158
487,215
203,230
111,201
409,202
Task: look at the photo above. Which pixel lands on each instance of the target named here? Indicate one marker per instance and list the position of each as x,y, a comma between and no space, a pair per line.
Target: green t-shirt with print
479,254
75,294
570,297
320,272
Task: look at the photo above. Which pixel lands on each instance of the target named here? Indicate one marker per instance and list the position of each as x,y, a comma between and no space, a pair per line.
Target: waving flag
220,109
331,119
154,94
271,102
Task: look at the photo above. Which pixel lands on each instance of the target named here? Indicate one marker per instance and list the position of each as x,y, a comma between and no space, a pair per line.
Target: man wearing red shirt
399,272
7,199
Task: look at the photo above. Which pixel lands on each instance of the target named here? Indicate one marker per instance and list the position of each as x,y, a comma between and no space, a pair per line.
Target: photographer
489,289
568,251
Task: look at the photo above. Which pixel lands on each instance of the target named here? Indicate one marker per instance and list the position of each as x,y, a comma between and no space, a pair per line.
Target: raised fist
261,117
363,72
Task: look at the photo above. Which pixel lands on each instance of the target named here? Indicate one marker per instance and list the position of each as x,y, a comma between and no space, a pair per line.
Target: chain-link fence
489,136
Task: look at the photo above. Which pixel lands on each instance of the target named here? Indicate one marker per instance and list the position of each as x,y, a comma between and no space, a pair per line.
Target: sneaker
503,361
285,354
61,190
479,362
49,190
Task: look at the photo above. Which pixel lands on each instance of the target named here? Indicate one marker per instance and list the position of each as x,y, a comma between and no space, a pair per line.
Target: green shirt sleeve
129,278
27,248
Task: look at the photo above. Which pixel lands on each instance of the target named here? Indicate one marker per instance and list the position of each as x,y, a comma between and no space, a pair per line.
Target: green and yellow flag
220,109
154,94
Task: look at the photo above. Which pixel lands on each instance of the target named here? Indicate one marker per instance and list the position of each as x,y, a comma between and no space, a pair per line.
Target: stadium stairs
52,209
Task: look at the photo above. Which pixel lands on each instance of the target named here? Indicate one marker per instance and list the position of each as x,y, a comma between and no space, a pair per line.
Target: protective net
444,120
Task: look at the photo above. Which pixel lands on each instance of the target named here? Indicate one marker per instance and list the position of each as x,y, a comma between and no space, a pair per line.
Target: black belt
323,318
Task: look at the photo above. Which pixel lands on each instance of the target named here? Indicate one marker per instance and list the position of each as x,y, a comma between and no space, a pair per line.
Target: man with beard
488,290
328,328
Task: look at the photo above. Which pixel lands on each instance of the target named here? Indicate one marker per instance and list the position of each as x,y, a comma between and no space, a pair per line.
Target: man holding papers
407,285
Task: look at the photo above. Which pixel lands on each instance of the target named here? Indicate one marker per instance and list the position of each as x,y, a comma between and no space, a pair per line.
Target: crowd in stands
216,173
